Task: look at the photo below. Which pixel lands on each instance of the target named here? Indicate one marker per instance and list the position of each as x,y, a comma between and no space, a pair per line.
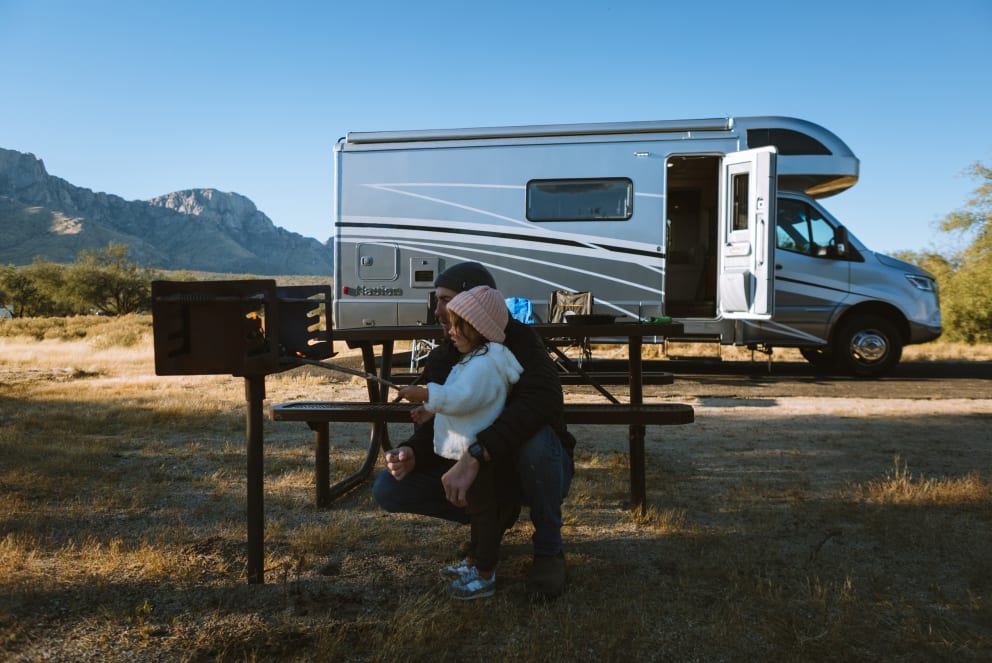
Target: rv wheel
868,346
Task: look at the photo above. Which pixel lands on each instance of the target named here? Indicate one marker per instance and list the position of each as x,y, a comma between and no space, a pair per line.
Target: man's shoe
546,578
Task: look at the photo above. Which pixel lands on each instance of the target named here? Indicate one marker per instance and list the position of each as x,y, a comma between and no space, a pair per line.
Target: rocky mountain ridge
198,229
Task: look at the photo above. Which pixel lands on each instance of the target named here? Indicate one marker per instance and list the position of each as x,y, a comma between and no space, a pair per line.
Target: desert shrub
36,328
122,332
104,332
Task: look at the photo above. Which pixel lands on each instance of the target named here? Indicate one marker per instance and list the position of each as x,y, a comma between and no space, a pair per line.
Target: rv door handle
778,266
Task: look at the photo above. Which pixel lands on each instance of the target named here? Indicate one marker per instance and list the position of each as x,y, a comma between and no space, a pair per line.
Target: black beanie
464,276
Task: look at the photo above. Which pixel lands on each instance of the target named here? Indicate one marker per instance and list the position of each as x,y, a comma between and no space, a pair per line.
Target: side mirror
841,241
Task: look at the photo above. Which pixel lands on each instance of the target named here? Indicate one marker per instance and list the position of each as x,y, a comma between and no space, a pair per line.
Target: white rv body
713,222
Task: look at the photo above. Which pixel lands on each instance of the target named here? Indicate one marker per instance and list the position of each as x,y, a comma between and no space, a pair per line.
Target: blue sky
142,97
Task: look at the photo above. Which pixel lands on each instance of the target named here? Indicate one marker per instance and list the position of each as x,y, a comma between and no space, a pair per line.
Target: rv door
747,278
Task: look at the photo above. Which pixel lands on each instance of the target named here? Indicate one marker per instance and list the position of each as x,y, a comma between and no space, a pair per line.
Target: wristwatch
477,451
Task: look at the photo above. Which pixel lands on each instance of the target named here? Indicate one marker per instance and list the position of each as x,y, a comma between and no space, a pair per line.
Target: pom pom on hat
485,309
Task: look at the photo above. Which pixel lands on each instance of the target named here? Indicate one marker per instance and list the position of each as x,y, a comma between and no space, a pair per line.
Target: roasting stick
362,374
350,371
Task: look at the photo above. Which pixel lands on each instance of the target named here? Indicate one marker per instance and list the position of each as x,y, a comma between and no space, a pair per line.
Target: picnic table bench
319,414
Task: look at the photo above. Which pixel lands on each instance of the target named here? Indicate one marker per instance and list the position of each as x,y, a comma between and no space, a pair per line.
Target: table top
546,330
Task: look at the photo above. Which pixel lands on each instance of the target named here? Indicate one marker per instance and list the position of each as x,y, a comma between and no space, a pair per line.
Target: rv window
607,199
740,189
786,140
802,229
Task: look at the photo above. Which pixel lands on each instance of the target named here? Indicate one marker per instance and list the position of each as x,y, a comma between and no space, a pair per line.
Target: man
528,444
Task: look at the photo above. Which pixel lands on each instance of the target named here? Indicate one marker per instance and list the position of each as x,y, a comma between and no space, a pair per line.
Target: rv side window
606,199
802,229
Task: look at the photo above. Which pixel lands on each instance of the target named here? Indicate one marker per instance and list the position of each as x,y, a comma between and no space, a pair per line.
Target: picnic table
377,409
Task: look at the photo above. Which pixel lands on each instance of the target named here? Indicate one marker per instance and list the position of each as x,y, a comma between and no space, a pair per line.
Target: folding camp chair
564,303
421,347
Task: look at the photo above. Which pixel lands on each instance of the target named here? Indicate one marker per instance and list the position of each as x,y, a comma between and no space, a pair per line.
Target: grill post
255,395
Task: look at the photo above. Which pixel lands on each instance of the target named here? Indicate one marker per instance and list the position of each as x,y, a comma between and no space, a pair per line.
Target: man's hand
400,462
459,479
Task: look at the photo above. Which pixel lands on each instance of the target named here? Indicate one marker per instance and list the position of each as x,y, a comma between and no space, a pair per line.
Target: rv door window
740,184
605,199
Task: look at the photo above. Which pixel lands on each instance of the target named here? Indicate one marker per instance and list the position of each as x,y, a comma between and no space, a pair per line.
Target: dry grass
825,534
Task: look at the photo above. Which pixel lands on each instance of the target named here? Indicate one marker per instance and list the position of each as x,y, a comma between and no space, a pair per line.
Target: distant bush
36,328
104,332
122,332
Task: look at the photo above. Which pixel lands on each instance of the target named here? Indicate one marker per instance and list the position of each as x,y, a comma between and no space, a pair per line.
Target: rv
716,223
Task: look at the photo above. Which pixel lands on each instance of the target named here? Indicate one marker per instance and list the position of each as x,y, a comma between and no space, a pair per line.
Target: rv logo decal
378,291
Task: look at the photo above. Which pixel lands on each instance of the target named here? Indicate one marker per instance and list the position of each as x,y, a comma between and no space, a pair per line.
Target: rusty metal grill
246,327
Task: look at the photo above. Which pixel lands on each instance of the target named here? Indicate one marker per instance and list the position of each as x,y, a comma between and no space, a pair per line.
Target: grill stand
246,328
255,395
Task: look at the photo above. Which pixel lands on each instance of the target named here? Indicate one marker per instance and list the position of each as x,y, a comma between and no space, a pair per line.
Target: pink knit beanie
485,309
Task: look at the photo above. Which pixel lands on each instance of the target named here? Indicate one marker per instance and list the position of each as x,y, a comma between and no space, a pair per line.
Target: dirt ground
811,434
766,469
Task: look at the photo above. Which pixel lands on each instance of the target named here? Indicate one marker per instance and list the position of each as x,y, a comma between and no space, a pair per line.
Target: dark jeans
545,471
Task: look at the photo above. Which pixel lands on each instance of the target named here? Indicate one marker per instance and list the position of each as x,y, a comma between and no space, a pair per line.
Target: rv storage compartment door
378,262
748,235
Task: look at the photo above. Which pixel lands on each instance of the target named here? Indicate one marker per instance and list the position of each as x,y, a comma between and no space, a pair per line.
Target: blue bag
520,309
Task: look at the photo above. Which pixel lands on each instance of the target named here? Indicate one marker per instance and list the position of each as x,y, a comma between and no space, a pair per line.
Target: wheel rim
869,346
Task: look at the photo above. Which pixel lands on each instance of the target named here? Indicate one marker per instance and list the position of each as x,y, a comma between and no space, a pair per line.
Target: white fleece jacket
471,398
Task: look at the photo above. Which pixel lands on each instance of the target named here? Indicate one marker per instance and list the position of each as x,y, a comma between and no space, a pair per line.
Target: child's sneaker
458,569
472,586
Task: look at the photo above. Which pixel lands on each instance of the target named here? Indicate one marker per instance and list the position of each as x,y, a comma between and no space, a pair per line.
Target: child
470,399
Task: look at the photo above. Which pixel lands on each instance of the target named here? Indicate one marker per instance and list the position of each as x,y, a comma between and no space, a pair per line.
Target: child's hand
420,414
414,394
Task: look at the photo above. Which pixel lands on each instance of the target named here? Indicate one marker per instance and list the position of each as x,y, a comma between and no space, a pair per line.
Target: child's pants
490,519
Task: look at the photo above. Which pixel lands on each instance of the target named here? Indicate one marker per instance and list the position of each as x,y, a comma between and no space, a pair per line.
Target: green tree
108,281
976,218
4,294
22,294
49,280
966,295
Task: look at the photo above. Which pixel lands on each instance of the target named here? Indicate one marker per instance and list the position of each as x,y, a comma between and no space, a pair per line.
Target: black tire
820,357
867,346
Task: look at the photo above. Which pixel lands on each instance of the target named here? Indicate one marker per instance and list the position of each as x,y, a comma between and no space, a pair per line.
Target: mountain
198,229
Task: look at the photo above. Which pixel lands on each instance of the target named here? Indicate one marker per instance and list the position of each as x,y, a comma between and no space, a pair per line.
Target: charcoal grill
246,328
